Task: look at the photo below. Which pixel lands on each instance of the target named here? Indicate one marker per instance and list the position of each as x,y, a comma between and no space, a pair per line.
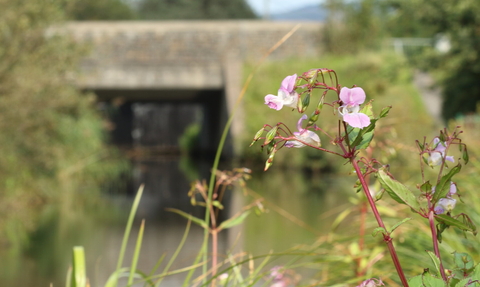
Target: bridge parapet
166,54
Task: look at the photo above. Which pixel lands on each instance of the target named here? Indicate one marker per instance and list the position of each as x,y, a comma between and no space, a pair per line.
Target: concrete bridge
190,70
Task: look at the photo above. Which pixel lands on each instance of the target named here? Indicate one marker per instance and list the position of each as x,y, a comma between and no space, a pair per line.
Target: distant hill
307,13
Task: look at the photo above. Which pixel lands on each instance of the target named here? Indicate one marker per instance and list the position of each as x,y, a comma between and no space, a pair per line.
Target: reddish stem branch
431,220
386,235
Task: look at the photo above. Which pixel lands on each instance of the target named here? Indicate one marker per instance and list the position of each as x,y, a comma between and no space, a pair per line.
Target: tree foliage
458,67
98,10
354,25
51,137
194,9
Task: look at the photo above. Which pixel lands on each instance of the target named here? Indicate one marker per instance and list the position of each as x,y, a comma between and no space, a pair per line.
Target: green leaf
476,273
79,273
398,224
435,261
426,187
464,282
378,230
450,221
443,187
397,191
194,219
463,260
367,109
426,280
384,112
217,203
361,138
236,220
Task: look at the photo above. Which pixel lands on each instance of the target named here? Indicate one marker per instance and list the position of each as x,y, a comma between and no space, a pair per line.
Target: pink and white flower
304,135
286,95
438,154
374,282
352,99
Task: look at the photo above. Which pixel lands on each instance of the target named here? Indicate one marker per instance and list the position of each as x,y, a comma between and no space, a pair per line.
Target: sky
279,6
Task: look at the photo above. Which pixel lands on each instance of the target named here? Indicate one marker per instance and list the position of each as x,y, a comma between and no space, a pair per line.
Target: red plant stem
386,236
435,243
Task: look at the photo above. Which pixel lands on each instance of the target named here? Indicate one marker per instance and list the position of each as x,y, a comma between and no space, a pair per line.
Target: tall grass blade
79,274
136,253
128,228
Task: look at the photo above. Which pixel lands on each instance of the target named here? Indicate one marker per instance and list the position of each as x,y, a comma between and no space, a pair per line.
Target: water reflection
295,202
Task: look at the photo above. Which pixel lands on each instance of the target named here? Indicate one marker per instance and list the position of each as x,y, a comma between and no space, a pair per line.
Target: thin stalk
386,236
204,250
136,254
431,220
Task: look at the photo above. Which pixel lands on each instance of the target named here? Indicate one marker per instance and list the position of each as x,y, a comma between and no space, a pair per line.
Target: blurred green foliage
356,25
53,152
194,9
98,10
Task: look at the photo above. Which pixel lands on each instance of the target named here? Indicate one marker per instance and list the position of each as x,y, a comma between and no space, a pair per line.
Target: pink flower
303,135
437,155
352,99
286,95
371,283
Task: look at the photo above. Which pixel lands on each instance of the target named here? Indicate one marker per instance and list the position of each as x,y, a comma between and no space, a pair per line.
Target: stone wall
166,54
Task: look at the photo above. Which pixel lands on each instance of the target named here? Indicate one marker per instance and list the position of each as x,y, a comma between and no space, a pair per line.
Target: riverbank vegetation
53,152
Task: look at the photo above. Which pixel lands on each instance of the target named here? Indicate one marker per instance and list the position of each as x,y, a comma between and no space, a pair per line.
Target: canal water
299,208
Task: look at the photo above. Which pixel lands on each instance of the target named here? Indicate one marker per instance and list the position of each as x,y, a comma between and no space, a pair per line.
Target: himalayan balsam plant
434,199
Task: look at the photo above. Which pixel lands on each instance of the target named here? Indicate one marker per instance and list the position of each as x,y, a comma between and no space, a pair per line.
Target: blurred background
100,96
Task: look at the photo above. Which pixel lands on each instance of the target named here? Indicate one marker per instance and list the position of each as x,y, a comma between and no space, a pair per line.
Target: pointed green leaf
384,112
463,260
367,109
397,191
361,138
217,203
443,187
234,220
426,280
377,230
435,261
476,273
450,221
465,282
426,187
194,219
79,273
398,224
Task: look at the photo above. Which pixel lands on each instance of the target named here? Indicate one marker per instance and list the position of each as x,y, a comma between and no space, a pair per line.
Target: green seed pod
270,135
